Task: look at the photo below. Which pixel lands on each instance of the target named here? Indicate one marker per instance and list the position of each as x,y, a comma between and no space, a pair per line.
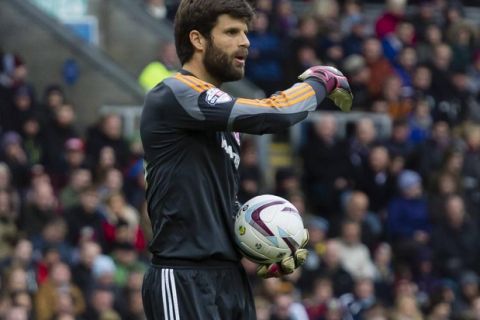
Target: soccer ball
268,228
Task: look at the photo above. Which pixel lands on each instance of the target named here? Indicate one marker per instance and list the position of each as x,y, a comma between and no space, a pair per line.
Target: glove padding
335,83
288,264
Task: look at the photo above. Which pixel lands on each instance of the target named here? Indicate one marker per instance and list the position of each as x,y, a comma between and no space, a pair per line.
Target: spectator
429,39
406,308
285,19
404,67
166,65
408,224
264,60
59,281
79,179
16,313
322,294
362,298
53,236
111,181
393,14
352,43
439,65
85,221
422,82
471,169
384,273
305,50
53,99
433,152
420,122
356,210
460,252
394,42
285,308
425,16
317,244
108,132
74,151
399,106
331,268
82,271
474,74
399,144
462,37
325,166
469,290
34,142
118,213
376,181
361,143
59,131
358,74
354,255
23,108
126,261
8,227
41,210
379,66
14,156
445,186
101,305
103,270
250,173
286,181
21,266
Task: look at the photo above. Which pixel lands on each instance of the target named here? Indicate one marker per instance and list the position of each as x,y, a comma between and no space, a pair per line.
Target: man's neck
198,70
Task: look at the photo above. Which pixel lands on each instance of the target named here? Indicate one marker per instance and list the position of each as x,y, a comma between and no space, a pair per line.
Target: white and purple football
268,228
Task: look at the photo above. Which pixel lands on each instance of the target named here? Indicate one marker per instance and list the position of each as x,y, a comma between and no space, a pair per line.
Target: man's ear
198,40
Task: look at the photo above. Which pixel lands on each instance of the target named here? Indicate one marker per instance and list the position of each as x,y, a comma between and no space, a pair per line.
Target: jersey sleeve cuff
319,88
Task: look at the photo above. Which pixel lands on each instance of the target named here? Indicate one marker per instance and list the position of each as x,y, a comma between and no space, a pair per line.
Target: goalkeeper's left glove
336,85
288,264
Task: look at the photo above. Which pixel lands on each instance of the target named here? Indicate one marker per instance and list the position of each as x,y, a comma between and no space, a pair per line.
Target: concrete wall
130,36
45,46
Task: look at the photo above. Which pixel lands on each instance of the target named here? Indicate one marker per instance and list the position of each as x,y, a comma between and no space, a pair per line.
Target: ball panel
268,228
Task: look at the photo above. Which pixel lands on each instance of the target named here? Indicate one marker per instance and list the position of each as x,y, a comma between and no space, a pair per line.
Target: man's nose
244,41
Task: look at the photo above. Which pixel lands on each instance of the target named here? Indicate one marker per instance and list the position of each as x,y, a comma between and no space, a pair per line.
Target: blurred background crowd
393,218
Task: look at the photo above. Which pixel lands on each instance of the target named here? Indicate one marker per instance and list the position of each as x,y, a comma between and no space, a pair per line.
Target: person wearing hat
408,225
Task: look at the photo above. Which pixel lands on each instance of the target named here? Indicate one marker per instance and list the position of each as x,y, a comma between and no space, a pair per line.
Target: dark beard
220,65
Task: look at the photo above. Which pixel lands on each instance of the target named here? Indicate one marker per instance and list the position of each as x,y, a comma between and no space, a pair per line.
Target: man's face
227,49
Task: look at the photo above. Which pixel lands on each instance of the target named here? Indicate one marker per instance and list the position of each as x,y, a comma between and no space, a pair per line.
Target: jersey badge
214,96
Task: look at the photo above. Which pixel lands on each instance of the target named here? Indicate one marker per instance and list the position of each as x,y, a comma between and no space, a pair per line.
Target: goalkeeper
189,130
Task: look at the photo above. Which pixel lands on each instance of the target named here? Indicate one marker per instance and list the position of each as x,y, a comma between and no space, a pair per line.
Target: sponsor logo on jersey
229,151
215,96
236,135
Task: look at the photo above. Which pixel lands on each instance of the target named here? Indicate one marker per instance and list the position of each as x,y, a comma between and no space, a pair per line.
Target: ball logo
258,246
215,95
242,230
245,207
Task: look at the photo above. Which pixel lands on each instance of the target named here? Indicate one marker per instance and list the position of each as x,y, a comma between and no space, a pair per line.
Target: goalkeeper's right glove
335,83
288,264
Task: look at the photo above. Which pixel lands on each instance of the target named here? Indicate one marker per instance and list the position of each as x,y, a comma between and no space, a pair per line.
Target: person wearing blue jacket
408,222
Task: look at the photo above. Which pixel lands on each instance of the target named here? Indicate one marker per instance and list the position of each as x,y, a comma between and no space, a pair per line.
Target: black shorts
197,293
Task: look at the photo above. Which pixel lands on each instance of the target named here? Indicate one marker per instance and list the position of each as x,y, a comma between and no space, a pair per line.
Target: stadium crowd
393,220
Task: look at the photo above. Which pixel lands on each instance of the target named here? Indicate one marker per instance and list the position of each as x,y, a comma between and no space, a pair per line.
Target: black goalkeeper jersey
189,130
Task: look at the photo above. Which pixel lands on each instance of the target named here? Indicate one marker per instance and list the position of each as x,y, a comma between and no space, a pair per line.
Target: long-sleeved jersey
190,134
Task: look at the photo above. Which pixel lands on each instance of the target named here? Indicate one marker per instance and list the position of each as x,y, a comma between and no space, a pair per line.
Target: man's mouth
241,57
